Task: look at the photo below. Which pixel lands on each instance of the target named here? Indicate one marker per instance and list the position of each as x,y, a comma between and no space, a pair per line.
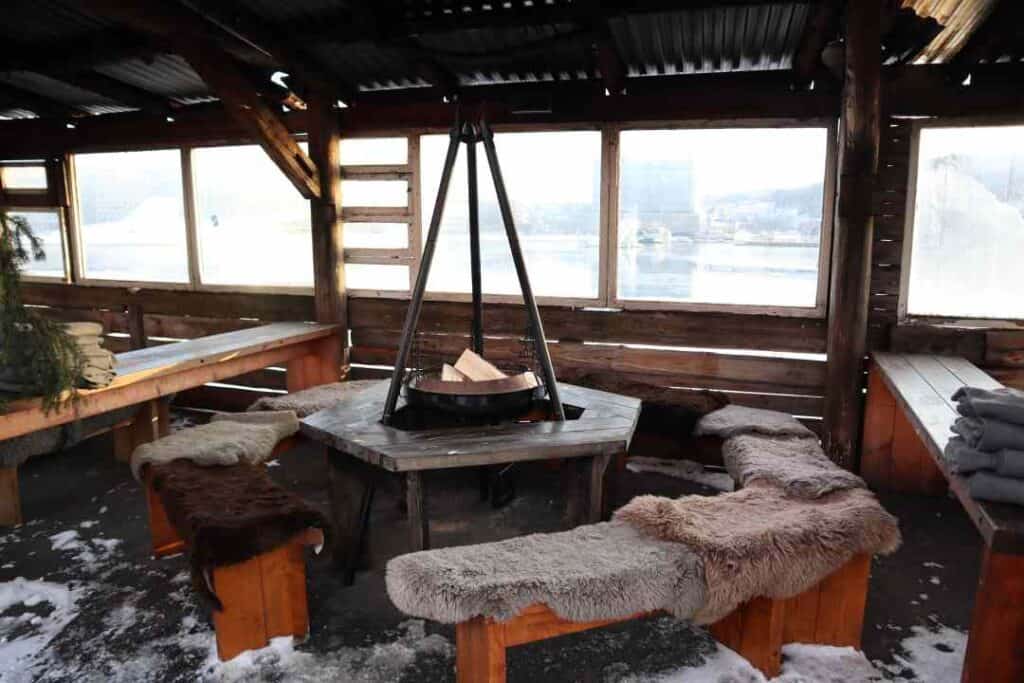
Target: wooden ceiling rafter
822,27
191,36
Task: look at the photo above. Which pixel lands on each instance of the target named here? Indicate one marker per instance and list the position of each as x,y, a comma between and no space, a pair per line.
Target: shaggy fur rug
228,439
228,515
599,571
760,542
734,420
796,465
308,401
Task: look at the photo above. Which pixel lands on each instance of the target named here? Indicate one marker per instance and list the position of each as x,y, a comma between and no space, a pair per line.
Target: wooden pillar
328,254
859,132
136,326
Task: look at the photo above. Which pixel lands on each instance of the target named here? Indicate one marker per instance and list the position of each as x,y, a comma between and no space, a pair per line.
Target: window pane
132,216
377,235
373,276
969,223
46,226
23,177
363,151
253,226
375,193
554,186
727,216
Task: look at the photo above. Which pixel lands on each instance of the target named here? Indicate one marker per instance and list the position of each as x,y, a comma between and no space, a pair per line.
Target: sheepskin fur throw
760,542
598,571
312,400
228,439
228,515
796,465
734,420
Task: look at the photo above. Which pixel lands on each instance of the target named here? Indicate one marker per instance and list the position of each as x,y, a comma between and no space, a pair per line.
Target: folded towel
229,439
989,435
1006,405
963,459
992,487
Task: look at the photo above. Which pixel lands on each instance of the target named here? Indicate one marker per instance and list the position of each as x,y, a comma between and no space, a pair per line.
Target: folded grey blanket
963,459
1005,405
734,420
797,465
992,487
989,435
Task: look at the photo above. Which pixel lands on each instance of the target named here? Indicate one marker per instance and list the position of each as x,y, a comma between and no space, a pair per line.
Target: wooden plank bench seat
311,353
906,427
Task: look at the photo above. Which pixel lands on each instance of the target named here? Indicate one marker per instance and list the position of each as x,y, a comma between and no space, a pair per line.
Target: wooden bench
831,613
906,427
311,353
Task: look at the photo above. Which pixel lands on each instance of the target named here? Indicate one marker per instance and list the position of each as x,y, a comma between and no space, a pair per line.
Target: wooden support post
136,326
10,498
350,488
150,423
754,630
995,646
854,230
416,504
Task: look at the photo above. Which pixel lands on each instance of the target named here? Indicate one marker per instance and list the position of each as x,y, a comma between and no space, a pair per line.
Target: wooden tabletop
923,386
151,365
353,426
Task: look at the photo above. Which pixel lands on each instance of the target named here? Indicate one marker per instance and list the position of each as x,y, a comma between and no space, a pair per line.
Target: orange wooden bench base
263,597
831,613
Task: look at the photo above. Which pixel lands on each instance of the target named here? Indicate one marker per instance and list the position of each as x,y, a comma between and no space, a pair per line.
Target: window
131,215
46,225
23,177
377,213
554,186
721,216
253,228
968,223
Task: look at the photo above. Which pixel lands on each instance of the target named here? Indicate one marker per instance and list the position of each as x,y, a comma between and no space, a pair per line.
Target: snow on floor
682,469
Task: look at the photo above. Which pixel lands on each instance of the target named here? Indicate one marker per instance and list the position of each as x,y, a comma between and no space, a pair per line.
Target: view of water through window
969,223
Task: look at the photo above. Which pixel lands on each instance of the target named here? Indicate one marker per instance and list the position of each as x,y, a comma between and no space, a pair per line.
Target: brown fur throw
796,465
760,542
598,571
228,515
312,400
734,420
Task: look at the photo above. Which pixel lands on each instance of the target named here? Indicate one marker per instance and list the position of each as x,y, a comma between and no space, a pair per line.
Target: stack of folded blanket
989,443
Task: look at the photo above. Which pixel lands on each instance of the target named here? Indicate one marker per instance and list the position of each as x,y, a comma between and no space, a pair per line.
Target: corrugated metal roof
167,75
960,18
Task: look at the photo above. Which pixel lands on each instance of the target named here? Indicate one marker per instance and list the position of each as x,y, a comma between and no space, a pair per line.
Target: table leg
416,504
585,504
350,489
10,500
995,645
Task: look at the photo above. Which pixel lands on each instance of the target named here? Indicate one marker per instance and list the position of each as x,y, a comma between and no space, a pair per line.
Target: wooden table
363,452
310,352
906,428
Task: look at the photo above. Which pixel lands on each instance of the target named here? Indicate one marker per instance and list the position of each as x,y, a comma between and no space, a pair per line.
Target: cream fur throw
734,420
228,439
759,542
796,465
308,401
598,571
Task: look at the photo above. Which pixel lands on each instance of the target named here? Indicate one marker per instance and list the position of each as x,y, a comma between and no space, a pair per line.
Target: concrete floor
138,620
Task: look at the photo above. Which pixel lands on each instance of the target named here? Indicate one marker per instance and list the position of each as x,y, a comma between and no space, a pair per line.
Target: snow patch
682,469
34,612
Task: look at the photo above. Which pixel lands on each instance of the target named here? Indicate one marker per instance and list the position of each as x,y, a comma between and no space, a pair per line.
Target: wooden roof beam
194,39
822,26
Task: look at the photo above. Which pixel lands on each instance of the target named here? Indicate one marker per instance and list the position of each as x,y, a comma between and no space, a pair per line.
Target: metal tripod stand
471,134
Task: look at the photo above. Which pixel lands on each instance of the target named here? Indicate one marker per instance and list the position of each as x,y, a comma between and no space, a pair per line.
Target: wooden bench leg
263,598
831,613
150,423
755,631
480,652
166,541
995,645
10,497
323,366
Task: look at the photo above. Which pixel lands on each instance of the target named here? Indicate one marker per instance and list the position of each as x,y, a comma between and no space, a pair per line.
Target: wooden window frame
64,247
904,317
